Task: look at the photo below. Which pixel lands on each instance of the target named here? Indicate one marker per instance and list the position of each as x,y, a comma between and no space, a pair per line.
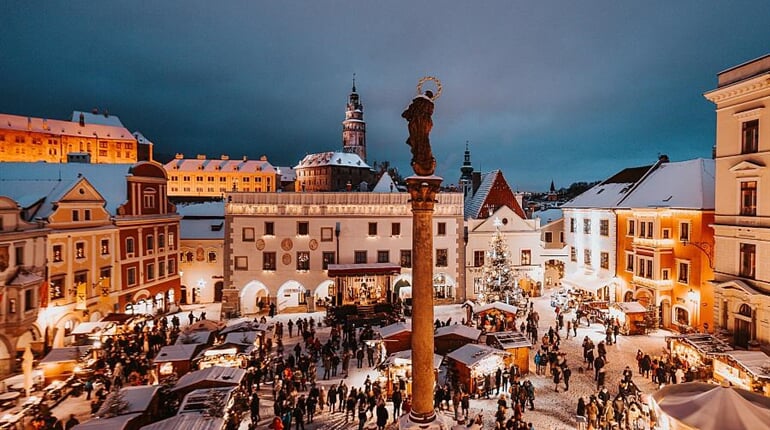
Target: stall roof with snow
138,399
703,343
405,357
215,376
67,353
200,336
458,330
472,353
630,307
500,306
394,329
121,422
509,339
243,337
195,401
183,352
755,362
188,422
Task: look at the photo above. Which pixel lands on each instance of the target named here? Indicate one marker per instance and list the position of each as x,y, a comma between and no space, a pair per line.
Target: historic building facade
278,246
29,139
742,218
202,177
201,252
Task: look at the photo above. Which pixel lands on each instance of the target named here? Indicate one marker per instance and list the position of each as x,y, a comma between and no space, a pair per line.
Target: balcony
653,243
657,284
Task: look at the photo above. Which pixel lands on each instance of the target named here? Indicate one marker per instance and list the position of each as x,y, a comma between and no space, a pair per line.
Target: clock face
313,244
286,259
286,244
260,244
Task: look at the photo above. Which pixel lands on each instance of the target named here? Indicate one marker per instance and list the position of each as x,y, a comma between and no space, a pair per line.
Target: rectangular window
87,214
572,254
105,246
359,257
684,272
212,257
148,200
642,229
442,258
395,229
161,268
269,228
441,229
241,263
29,300
640,267
372,229
150,241
80,250
750,137
131,276
650,229
684,231
572,225
303,228
666,233
75,215
748,260
268,261
57,253
383,256
303,260
587,257
328,258
478,258
604,227
56,288
171,243
150,271
548,237
561,237
406,258
631,227
129,245
629,262
586,226
19,254
665,274
247,234
749,198
648,273
604,260
526,257
161,241
171,266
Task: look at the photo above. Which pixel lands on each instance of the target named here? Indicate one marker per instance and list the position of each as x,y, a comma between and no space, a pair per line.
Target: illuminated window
328,257
587,226
80,250
572,254
57,253
105,246
750,137
749,198
406,258
572,225
604,260
268,261
604,227
526,257
442,258
303,260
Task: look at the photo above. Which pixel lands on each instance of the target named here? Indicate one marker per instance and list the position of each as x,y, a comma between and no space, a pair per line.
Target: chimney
476,181
179,156
106,113
714,152
663,158
245,158
29,123
82,119
224,157
201,156
95,111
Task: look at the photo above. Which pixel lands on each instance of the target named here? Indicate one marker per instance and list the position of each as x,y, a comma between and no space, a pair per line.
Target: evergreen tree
497,277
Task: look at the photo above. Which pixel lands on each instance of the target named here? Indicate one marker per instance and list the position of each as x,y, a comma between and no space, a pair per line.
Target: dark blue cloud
562,89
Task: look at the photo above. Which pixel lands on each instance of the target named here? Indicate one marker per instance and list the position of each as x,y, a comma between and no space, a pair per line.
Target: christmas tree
497,279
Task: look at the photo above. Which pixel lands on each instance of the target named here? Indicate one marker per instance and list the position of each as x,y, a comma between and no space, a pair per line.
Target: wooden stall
227,354
516,344
496,316
697,349
59,363
396,337
749,370
188,421
176,359
630,316
451,337
396,370
210,377
473,361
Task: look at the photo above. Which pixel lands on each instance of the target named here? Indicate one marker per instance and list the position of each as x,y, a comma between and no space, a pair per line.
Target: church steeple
466,172
354,127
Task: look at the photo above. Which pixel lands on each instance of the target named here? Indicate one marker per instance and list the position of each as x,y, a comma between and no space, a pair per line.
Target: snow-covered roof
65,128
500,306
244,337
405,357
509,339
204,325
188,422
682,185
67,353
581,281
28,183
345,159
548,215
287,173
200,336
183,352
394,329
458,330
630,307
756,362
471,353
247,325
121,422
195,401
138,399
209,165
204,229
91,327
609,192
97,118
202,209
385,185
217,375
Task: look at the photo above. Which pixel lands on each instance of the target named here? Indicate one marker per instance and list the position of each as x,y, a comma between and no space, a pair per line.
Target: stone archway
554,272
252,294
628,296
290,295
402,285
218,287
322,294
30,336
7,360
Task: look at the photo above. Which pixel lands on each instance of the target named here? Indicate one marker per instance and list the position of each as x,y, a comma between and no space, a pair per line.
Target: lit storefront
749,370
396,371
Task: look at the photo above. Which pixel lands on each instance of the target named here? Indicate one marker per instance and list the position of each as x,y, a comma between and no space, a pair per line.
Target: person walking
397,398
556,378
566,373
254,408
382,416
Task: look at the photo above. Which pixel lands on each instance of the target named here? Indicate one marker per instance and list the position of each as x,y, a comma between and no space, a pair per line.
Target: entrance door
218,291
665,314
742,333
183,295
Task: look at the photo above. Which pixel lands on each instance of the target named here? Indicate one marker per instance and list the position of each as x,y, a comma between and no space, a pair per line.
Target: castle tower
354,127
466,174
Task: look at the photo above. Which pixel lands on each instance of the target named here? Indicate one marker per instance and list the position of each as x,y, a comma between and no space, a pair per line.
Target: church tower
466,174
354,127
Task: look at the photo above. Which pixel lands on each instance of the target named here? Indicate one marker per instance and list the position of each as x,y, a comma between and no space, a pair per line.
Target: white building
279,245
201,251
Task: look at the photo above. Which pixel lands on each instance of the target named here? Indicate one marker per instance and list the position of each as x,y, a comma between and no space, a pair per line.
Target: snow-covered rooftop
609,192
188,422
202,209
66,128
681,185
548,215
500,306
183,352
459,330
405,357
287,173
138,399
346,159
209,165
244,337
206,229
471,353
394,329
97,118
121,422
385,185
217,375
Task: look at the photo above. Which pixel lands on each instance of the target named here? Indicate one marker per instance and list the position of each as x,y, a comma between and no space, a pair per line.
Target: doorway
218,287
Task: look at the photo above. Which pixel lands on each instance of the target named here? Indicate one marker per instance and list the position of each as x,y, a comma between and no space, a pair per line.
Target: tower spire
354,81
354,127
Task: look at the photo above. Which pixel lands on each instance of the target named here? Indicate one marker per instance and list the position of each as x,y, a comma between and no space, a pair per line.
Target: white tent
697,405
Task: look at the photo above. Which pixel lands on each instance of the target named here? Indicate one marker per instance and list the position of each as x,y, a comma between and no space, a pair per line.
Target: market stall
496,316
594,312
204,337
515,343
451,337
188,421
472,362
749,370
176,359
396,370
120,422
228,354
697,405
630,316
59,363
697,349
396,337
210,377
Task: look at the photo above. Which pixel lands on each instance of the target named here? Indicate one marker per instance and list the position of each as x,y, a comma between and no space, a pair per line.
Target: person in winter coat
566,373
556,378
277,423
382,416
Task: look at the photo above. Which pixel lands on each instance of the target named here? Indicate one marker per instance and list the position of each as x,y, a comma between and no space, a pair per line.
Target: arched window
745,310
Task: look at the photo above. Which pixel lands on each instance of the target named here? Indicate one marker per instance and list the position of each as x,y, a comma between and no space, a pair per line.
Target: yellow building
202,177
90,138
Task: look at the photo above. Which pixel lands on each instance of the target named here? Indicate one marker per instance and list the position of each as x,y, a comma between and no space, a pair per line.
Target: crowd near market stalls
630,316
515,343
496,316
396,371
698,351
702,406
473,365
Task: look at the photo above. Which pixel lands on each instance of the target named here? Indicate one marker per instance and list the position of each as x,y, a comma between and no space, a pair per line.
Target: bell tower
466,174
354,127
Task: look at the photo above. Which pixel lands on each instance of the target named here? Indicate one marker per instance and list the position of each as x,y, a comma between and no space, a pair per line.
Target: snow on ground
553,411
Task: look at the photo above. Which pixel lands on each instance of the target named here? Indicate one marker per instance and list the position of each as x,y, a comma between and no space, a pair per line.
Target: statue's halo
435,80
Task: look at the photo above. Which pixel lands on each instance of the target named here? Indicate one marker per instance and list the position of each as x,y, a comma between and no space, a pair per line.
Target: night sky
564,90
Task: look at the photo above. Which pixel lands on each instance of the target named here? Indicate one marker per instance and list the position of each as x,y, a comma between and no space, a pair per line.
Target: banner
81,298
